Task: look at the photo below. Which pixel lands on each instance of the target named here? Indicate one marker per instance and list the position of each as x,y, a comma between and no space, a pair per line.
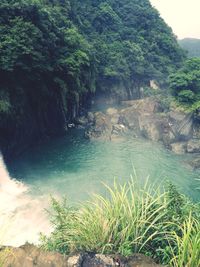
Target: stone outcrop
179,147
144,117
101,127
31,256
195,163
193,146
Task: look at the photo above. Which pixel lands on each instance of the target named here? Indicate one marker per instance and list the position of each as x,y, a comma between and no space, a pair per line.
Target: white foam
22,217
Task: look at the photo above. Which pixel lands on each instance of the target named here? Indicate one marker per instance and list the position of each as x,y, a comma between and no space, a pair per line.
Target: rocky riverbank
176,129
31,256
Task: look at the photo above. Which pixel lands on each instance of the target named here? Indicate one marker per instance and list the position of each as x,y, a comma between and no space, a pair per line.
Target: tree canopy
185,83
55,53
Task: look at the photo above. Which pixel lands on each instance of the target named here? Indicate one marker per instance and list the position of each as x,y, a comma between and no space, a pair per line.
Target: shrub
186,96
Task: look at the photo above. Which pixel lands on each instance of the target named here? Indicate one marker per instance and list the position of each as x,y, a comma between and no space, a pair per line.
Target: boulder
31,256
119,129
179,147
151,127
193,146
83,121
90,117
111,111
181,124
145,105
115,118
99,260
142,117
102,127
146,117
195,163
75,260
130,118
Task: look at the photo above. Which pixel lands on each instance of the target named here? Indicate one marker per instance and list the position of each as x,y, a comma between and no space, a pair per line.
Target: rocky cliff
176,129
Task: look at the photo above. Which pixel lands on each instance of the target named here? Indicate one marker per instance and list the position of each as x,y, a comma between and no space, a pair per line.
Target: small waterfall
22,217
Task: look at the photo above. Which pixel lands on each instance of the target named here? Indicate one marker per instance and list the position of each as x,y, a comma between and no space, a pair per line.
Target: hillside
192,45
57,54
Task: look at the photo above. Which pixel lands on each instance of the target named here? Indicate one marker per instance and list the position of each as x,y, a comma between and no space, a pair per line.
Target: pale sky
183,16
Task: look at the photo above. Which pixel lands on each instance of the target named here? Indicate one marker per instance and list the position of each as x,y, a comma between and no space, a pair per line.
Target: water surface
74,167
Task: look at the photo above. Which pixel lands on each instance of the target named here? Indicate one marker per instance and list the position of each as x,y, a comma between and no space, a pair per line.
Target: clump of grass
187,244
123,222
4,252
129,220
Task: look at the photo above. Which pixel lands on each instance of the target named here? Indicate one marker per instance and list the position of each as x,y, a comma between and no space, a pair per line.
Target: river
74,167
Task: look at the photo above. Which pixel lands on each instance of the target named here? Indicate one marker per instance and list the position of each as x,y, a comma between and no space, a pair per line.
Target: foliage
4,252
4,255
186,96
56,54
128,220
188,244
185,84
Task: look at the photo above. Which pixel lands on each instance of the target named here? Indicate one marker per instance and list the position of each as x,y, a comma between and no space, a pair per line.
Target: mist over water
75,168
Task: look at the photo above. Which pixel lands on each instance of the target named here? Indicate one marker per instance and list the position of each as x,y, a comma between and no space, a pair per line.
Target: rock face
144,117
31,256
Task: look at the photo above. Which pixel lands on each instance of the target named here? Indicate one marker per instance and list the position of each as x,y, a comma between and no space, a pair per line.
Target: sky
183,16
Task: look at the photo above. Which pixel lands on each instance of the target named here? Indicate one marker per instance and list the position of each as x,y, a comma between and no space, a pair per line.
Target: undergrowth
160,223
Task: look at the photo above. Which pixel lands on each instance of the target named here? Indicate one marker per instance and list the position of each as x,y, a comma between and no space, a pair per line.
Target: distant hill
192,45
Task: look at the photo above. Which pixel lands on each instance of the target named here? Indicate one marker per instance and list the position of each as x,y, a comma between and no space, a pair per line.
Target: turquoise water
74,167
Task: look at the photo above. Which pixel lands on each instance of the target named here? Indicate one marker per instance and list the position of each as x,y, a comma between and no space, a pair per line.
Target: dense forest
191,45
55,55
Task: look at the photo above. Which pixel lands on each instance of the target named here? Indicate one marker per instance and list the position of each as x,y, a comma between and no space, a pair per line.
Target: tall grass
123,222
187,244
129,220
4,252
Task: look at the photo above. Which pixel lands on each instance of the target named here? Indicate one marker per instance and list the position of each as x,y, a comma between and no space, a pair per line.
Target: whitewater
22,217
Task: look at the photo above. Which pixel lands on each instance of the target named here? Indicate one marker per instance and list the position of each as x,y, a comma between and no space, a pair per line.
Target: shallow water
74,167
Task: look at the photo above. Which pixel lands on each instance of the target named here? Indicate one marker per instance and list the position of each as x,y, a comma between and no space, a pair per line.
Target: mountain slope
192,45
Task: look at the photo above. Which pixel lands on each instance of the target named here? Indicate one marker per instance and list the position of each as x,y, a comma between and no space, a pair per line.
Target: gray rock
102,127
193,146
111,111
75,261
83,121
195,163
150,127
115,118
181,125
119,129
145,105
179,147
130,118
98,261
31,256
90,117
